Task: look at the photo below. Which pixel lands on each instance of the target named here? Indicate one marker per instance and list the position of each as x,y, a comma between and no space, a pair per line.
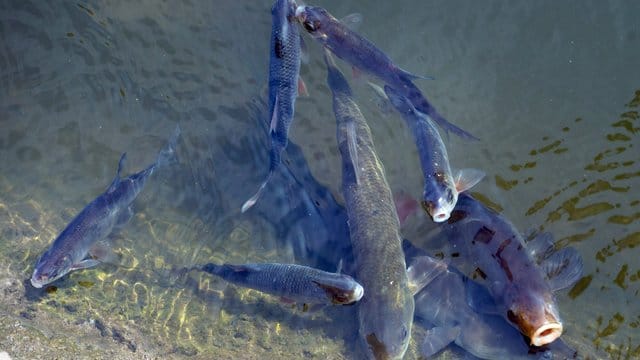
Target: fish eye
311,26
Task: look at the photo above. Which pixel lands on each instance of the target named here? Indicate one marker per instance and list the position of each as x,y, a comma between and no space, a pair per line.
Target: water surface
551,89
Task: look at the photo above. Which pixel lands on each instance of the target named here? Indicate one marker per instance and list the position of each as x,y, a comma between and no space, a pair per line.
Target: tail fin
249,203
413,76
167,154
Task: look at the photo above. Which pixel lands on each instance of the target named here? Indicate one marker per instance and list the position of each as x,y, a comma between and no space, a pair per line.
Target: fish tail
449,127
252,200
167,154
274,162
412,76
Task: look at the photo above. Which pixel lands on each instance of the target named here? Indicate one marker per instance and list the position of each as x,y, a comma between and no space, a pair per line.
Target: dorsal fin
116,180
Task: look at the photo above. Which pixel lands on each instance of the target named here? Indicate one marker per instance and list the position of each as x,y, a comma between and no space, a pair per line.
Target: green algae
580,286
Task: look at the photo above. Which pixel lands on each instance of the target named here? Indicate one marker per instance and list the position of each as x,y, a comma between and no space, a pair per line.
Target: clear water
551,88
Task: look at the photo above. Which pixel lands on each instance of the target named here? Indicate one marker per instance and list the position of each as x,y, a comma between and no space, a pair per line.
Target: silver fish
487,248
355,49
79,243
386,311
441,189
284,69
298,283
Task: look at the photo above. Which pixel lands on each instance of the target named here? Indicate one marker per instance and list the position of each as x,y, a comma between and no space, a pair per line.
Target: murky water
552,89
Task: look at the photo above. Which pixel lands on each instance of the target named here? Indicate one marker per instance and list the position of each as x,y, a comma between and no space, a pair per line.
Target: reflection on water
80,83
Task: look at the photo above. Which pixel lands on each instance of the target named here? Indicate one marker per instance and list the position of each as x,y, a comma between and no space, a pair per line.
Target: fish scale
284,69
489,245
385,313
72,249
291,281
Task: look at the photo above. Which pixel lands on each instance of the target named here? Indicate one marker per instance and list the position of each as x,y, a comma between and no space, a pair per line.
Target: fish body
487,248
443,307
440,192
284,69
361,53
78,244
385,312
298,283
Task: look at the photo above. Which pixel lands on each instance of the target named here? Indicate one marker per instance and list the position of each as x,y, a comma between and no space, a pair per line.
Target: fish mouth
358,292
546,334
437,214
440,217
37,283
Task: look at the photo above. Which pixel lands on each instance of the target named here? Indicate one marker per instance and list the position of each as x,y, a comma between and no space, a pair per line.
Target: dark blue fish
297,283
78,245
361,53
487,248
441,187
443,306
284,69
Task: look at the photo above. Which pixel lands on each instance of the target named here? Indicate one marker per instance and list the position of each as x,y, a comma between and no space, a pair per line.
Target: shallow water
552,89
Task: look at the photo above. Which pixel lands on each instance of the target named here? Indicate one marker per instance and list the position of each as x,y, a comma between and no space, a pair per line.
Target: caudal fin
167,154
252,200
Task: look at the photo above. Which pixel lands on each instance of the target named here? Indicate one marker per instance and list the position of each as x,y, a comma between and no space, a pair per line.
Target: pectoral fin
84,264
101,251
302,88
563,268
438,338
467,178
124,217
540,246
353,149
274,116
422,271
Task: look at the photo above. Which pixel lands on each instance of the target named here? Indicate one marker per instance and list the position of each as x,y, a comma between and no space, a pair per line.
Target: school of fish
489,291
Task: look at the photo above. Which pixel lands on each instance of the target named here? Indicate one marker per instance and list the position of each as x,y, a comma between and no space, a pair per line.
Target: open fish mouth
546,334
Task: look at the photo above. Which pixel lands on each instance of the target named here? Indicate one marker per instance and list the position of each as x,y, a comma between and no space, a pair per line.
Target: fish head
439,199
314,20
342,291
387,332
534,312
49,269
399,101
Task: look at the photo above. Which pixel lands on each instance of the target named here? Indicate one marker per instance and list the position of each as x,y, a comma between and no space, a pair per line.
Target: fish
292,282
441,187
364,55
284,74
80,244
487,248
385,313
443,306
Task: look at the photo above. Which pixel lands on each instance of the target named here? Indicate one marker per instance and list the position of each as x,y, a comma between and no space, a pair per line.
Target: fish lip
440,217
358,292
546,334
36,284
